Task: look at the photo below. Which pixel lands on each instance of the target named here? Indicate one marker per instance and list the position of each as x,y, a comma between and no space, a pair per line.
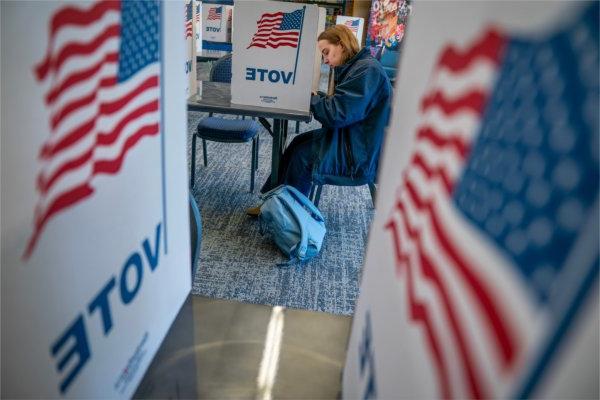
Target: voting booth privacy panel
190,62
355,24
198,25
273,54
215,22
95,235
481,273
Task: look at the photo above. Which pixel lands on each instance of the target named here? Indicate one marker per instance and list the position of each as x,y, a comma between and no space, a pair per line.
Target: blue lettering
188,66
285,79
250,74
101,300
273,76
212,29
152,258
80,348
262,74
367,360
75,338
126,294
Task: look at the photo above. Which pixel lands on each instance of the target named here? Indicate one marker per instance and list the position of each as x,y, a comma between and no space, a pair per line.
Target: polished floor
218,349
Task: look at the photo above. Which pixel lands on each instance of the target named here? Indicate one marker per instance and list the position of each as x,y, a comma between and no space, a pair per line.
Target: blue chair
224,130
317,187
389,61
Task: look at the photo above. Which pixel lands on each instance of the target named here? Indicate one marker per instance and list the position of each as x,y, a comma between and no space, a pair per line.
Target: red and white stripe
213,15
469,329
352,26
93,120
268,33
189,29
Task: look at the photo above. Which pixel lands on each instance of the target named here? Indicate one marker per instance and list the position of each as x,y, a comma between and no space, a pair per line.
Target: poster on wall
95,228
481,272
272,44
387,22
355,24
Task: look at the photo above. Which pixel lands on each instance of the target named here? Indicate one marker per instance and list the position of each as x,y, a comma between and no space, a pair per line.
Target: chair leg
297,126
193,167
204,153
252,162
312,193
373,190
318,195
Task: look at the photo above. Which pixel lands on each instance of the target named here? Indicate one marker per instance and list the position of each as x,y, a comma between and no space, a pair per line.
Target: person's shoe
253,211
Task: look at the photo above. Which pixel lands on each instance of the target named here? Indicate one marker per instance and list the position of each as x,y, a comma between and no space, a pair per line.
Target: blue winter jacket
354,120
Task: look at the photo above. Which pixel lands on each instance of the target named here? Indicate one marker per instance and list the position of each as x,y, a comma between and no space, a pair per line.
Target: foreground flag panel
95,235
481,273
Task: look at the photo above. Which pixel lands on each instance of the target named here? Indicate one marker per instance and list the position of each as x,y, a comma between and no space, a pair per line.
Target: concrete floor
218,349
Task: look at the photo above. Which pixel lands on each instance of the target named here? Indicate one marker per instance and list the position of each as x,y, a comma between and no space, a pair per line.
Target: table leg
276,150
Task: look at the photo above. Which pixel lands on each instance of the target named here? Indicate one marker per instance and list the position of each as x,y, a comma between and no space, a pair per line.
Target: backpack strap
304,201
302,247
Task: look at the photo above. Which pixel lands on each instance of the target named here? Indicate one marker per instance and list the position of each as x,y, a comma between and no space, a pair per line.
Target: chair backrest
221,70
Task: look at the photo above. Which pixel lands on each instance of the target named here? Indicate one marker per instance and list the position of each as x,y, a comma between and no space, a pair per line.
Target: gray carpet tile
237,263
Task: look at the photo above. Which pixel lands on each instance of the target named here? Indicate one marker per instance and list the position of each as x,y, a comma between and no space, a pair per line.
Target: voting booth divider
274,53
481,272
216,22
190,46
95,225
198,26
355,24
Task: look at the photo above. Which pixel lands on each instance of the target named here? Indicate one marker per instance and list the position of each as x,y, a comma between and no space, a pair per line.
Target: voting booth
274,53
481,272
190,47
215,22
198,25
95,226
355,24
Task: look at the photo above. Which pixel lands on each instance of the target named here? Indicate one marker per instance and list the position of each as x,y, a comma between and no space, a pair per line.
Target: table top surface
216,97
209,55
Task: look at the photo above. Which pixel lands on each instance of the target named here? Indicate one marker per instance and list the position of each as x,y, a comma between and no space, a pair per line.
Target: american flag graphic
189,11
215,13
101,77
500,190
353,25
198,13
278,29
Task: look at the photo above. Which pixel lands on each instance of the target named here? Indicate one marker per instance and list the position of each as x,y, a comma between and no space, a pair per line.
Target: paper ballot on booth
95,228
273,54
481,273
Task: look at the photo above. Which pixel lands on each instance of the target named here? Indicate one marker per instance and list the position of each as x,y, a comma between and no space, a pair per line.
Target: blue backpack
293,221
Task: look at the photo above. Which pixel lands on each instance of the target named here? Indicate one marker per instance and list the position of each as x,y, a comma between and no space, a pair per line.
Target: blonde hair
342,35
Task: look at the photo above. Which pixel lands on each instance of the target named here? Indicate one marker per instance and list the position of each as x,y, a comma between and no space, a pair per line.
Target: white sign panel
95,234
318,60
214,21
198,25
355,24
190,62
273,54
481,274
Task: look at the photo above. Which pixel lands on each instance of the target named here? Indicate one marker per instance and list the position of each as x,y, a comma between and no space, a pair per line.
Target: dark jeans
297,162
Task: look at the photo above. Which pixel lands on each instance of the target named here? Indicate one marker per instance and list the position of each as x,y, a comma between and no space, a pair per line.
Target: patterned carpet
237,263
